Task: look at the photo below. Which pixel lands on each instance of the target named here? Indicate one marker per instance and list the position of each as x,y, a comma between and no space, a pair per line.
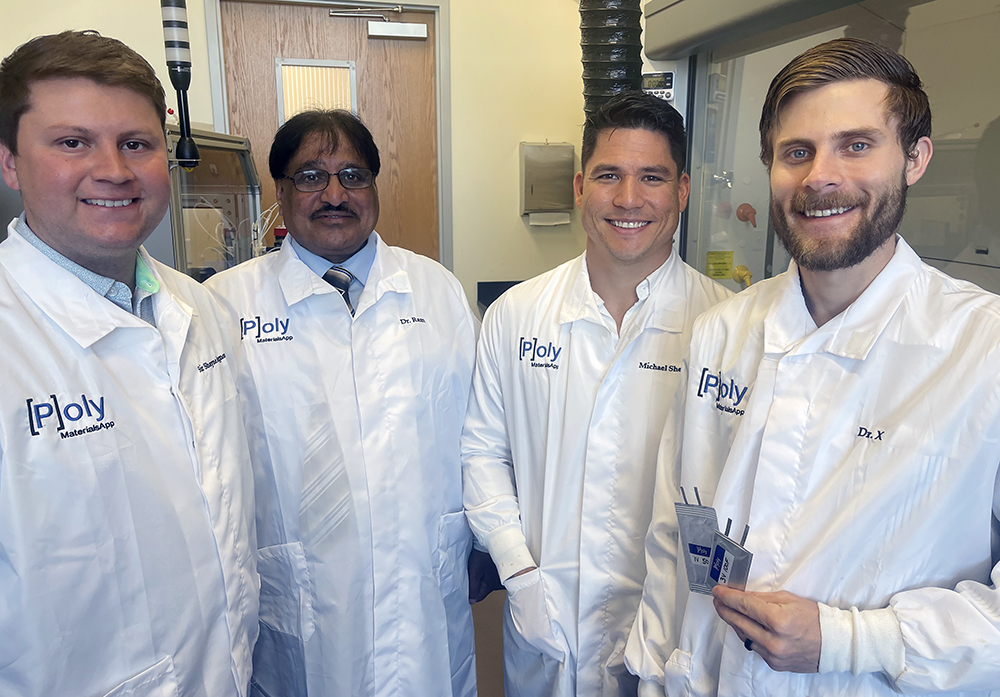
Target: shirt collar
86,317
359,264
145,280
101,284
117,292
662,296
147,285
789,327
385,273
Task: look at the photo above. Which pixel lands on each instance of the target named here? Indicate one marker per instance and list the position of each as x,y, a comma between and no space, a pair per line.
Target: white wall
516,76
135,22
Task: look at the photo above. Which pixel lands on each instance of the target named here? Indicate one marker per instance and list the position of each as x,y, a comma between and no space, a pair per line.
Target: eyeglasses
313,180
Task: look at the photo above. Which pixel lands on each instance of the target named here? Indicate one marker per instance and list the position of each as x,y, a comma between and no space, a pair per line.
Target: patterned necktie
340,278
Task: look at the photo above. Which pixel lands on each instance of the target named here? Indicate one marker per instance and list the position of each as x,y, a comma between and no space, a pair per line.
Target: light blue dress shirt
139,303
360,264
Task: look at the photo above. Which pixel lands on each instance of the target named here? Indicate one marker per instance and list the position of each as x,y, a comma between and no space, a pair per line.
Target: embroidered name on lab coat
212,363
870,435
649,365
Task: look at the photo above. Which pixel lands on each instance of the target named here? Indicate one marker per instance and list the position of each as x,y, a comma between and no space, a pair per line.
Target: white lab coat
364,543
866,465
559,451
126,525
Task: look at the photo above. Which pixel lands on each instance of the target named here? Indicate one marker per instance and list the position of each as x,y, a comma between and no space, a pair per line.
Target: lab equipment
215,220
178,48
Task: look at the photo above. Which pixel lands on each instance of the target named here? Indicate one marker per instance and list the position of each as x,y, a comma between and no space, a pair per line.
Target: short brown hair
71,54
850,59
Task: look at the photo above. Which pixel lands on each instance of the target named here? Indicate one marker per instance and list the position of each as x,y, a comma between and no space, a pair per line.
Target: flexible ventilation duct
612,49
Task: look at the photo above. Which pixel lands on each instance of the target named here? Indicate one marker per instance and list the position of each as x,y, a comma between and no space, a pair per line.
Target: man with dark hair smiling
865,461
362,354
126,502
575,376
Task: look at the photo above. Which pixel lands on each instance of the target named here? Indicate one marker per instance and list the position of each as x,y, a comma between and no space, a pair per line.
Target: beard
880,222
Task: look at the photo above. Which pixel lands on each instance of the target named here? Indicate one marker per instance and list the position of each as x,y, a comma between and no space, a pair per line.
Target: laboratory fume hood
731,49
213,207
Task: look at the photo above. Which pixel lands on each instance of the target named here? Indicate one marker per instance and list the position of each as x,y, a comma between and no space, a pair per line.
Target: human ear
918,159
7,164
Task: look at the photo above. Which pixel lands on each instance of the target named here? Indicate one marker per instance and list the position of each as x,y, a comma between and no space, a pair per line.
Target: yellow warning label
719,265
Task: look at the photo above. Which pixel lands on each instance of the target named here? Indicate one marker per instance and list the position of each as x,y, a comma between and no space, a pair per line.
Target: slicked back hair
71,54
843,60
330,124
636,110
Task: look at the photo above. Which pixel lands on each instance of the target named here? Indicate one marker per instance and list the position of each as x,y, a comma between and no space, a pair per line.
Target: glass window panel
315,87
953,213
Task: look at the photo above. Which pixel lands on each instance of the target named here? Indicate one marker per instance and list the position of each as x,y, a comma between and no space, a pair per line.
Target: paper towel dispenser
547,171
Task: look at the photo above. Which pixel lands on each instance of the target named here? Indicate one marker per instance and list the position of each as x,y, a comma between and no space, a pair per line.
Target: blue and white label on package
730,563
722,564
697,526
700,554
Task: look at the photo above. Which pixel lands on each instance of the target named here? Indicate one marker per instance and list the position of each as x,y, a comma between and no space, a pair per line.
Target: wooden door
397,100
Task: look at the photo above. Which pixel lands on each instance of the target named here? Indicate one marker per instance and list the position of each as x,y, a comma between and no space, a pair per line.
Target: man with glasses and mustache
864,456
362,356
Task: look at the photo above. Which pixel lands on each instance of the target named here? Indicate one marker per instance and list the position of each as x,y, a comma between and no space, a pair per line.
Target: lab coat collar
73,305
663,294
387,276
790,328
298,281
173,316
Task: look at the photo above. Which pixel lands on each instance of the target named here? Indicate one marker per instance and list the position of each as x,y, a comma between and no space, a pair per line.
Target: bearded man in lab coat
575,374
126,500
864,457
363,357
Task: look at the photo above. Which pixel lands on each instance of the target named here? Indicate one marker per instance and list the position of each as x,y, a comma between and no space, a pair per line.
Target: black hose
611,44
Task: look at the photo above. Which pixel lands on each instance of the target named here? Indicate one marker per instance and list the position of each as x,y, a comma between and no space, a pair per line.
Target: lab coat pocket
452,555
451,567
677,673
156,681
692,675
530,611
286,590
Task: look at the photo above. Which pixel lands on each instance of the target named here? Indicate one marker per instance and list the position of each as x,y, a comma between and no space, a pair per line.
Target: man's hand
483,576
783,627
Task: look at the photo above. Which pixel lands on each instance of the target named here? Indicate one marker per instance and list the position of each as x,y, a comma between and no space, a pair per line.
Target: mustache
328,208
804,201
